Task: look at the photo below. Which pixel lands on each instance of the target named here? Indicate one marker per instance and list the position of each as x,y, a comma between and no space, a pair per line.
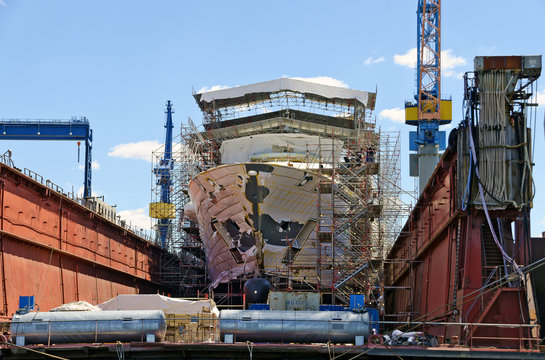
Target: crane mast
429,111
429,60
164,210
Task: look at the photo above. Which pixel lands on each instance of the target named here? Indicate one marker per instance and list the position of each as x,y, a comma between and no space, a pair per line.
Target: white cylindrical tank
88,326
294,326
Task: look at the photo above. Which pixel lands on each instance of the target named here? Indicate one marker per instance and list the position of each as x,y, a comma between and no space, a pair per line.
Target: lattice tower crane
429,111
165,209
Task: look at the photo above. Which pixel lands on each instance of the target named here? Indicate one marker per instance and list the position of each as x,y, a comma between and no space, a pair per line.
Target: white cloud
408,59
213,88
540,99
136,218
2,3
94,165
141,150
396,115
324,80
450,73
449,61
79,192
371,60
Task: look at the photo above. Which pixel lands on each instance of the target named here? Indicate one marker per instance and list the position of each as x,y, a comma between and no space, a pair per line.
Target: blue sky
118,62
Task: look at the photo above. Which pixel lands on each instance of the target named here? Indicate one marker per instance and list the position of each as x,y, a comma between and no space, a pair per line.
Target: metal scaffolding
359,211
182,262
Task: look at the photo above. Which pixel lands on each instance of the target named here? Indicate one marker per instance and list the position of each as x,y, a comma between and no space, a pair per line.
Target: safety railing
5,158
74,119
148,236
33,175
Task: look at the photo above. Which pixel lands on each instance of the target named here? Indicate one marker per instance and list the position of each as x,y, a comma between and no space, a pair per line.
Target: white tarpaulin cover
160,302
77,306
273,86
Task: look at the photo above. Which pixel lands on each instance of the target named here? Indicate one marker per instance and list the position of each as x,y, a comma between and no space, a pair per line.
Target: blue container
357,302
259,307
26,303
373,318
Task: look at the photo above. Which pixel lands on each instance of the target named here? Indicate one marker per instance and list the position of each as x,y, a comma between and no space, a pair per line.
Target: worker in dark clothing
370,158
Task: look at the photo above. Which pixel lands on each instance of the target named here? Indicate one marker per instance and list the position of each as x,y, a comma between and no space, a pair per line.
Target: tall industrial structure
464,257
163,210
181,264
429,111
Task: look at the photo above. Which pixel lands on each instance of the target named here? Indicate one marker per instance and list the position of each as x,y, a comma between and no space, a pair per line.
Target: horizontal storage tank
294,326
87,326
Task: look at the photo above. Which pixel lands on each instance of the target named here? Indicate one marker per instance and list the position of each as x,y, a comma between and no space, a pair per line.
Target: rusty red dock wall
59,251
443,257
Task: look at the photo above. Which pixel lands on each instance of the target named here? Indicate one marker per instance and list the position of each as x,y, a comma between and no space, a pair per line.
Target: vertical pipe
4,294
96,283
88,163
136,260
60,222
456,269
77,284
62,279
427,277
318,227
451,235
333,179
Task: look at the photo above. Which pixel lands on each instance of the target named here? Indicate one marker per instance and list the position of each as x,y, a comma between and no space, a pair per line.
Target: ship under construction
288,180
293,183
283,205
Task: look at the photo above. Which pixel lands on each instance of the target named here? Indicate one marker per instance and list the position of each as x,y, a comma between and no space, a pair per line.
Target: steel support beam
73,130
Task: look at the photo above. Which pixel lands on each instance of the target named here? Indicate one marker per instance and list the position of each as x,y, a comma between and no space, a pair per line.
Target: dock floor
255,351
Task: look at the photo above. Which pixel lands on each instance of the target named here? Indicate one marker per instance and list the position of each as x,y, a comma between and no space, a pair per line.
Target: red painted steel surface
422,280
59,251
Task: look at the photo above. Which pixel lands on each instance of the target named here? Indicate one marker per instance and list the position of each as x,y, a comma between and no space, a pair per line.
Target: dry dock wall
59,251
442,258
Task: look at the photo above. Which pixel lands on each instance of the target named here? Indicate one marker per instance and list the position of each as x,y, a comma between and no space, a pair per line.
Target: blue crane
75,129
430,110
163,171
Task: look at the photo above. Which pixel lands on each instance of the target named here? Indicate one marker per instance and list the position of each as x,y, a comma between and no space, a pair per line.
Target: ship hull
236,204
